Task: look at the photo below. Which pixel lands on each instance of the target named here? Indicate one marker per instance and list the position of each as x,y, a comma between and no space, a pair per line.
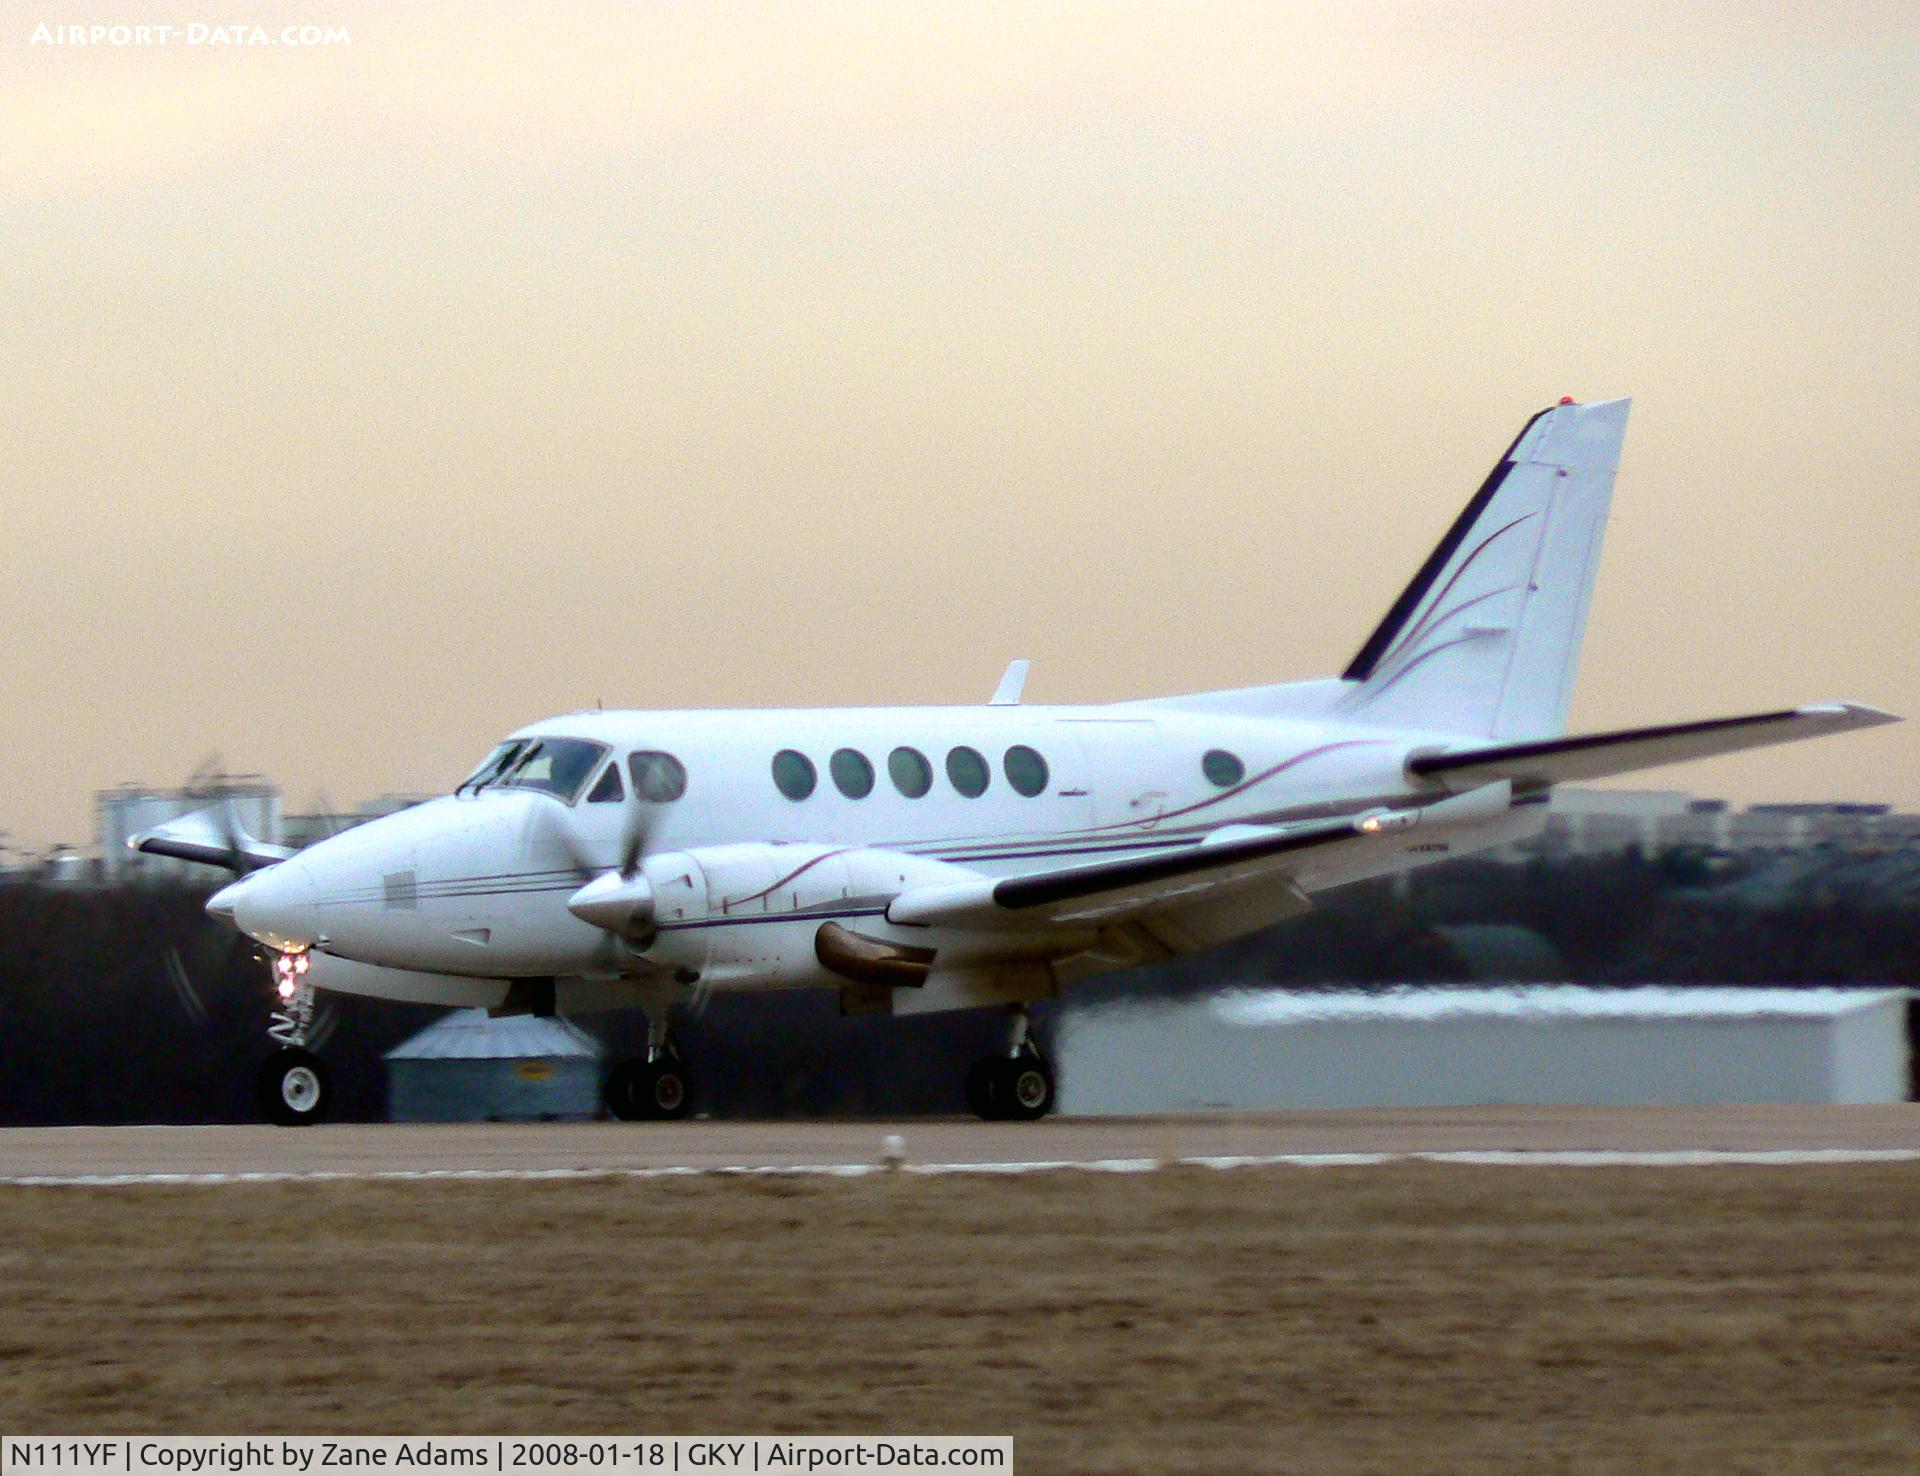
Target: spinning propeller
212,834
212,784
619,899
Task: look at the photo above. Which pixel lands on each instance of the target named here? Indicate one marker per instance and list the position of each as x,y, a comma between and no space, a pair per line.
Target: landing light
287,970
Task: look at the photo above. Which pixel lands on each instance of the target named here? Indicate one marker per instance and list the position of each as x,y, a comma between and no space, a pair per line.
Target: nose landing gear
1016,1086
292,1088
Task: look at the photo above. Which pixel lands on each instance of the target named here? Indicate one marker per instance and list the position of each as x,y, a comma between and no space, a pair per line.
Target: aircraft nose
278,906
220,905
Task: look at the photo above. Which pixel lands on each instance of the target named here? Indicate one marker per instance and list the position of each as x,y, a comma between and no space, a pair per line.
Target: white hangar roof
472,1035
1548,1002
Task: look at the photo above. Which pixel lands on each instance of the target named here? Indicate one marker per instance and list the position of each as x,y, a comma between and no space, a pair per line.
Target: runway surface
1749,1314
1545,1135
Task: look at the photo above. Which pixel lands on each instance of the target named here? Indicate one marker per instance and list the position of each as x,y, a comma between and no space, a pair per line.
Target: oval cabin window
968,771
1026,770
793,774
852,774
912,775
1222,768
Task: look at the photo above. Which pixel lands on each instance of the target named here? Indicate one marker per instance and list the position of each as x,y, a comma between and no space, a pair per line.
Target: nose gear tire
292,1088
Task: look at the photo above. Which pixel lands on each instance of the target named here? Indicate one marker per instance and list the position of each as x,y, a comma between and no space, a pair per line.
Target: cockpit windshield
492,765
556,766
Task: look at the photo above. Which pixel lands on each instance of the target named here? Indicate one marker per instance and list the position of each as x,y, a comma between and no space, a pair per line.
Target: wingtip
1855,714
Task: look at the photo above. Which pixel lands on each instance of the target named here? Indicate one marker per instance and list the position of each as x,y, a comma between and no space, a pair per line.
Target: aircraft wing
1227,861
1597,755
211,836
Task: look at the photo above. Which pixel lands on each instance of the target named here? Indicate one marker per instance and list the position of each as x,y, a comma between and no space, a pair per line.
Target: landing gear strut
292,1088
656,1087
1015,1086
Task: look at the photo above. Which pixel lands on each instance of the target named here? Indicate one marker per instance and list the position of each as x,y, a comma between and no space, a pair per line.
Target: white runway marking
1555,1158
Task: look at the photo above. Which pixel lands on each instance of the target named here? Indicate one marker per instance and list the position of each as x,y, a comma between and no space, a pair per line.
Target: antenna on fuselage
1012,684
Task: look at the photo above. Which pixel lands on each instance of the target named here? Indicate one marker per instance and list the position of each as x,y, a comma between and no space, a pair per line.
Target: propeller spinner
620,900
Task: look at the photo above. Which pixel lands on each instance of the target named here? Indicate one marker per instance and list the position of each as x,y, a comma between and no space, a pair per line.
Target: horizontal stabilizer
1598,755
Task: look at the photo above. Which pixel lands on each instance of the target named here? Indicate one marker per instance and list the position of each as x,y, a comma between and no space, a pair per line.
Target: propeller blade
182,981
636,830
633,840
230,832
568,846
323,1026
205,780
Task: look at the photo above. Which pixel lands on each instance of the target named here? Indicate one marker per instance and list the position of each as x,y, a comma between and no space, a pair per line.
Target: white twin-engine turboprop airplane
942,858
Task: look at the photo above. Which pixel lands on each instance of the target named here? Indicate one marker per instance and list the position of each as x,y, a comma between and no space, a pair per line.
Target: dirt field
1401,1317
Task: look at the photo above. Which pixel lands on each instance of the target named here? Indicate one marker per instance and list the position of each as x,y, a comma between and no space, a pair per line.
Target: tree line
130,1005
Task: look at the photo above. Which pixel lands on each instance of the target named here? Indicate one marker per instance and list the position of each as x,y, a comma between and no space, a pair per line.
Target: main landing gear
292,1087
655,1088
1015,1086
649,1091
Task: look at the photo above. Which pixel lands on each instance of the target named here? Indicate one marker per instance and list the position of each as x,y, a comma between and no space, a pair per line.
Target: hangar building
1409,1047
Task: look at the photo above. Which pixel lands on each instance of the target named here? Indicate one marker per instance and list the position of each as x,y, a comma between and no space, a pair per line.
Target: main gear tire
982,1088
1010,1088
1025,1091
649,1091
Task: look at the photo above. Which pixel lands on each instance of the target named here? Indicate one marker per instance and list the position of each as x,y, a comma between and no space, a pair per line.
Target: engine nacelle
751,914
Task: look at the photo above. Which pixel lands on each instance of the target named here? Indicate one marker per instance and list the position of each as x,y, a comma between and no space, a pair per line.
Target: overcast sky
364,401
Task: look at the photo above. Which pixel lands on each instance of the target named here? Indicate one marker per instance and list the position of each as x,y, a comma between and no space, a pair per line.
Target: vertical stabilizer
1486,638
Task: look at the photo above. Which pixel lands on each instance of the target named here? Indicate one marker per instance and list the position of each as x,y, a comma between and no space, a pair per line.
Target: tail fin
1485,639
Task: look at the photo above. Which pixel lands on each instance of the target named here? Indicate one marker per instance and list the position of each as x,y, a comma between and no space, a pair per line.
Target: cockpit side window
556,766
492,766
609,791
